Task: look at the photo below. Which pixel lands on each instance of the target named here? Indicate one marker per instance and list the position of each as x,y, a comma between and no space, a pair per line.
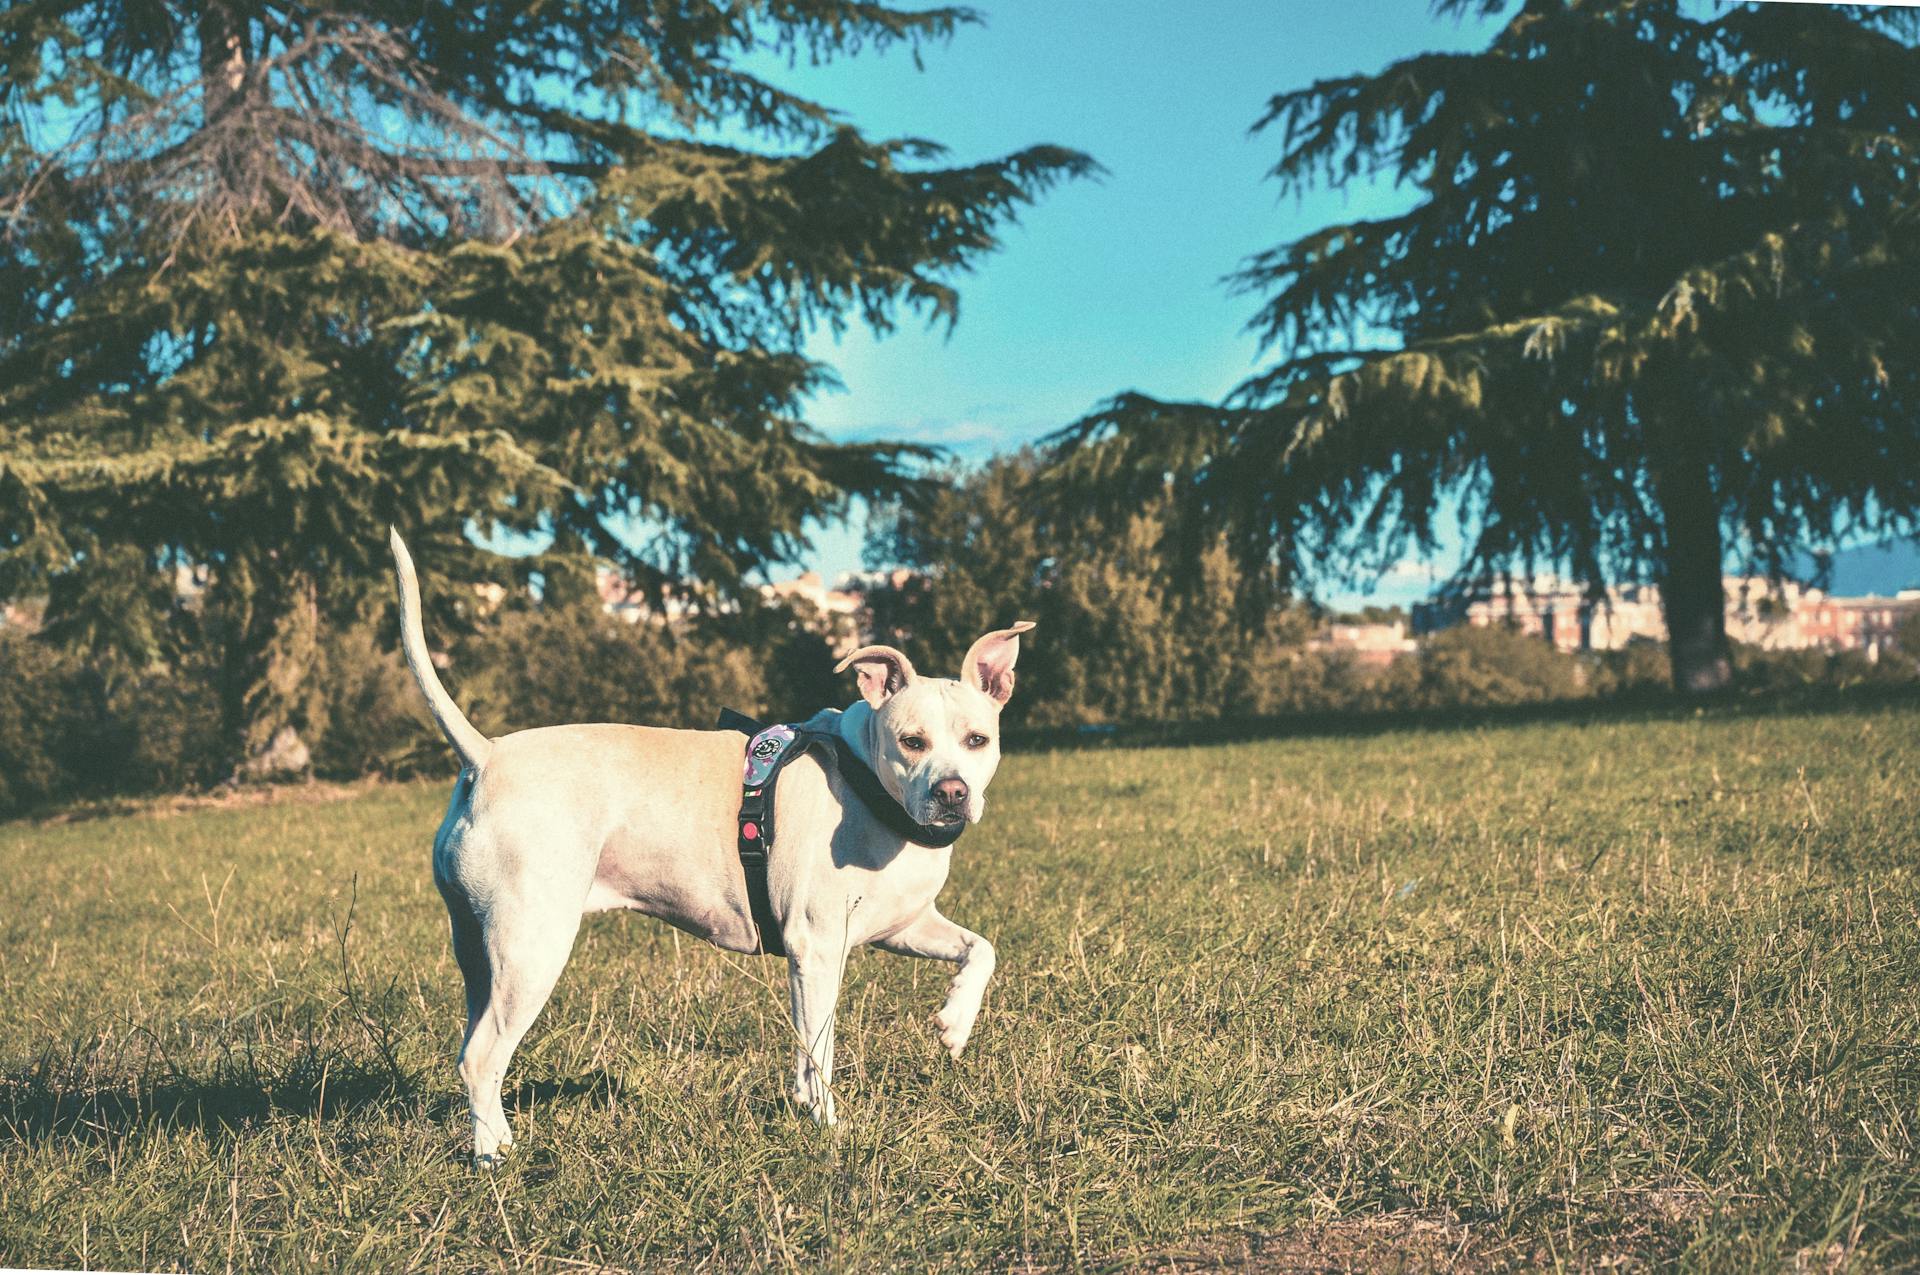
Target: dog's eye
977,740
913,743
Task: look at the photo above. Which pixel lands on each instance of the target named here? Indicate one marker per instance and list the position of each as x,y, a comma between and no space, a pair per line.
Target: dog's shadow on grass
51,1102
528,1093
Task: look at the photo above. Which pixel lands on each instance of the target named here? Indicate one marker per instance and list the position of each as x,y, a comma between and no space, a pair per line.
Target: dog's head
935,741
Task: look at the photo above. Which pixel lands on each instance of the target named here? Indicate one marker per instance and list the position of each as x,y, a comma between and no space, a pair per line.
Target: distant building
837,612
490,594
1810,618
624,600
1783,615
1571,618
1373,644
808,587
840,613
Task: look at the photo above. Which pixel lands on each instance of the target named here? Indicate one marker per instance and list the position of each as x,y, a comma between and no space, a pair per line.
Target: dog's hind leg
470,952
935,937
524,956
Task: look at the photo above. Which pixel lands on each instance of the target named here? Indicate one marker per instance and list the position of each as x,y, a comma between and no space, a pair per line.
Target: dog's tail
472,746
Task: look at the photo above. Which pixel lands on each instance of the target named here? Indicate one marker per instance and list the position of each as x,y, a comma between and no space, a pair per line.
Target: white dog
546,825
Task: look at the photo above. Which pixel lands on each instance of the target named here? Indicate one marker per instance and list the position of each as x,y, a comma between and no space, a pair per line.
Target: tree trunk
271,650
1692,595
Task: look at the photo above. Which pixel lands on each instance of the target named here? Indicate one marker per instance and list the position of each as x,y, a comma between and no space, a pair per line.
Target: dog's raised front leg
936,938
813,987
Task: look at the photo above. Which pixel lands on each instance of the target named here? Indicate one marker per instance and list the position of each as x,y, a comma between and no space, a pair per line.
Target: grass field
1639,990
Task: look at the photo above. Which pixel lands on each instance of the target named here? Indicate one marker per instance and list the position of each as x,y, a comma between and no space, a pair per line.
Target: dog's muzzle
947,803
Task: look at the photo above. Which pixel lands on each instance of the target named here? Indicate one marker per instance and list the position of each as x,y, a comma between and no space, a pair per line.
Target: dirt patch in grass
1642,1230
1387,1242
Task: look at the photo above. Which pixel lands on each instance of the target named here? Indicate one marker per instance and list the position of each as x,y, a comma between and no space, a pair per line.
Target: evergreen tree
1654,308
273,274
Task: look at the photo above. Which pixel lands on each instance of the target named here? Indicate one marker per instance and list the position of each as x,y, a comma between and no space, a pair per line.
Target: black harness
769,749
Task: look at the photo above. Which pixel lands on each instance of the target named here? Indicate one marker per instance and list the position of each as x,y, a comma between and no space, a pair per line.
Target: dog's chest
881,900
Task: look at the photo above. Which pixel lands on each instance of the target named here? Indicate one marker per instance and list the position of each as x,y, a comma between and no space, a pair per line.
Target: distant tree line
1137,626
1145,615
75,727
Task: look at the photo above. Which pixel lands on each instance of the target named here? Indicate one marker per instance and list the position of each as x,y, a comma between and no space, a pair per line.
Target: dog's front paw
818,1107
491,1160
489,1151
955,1029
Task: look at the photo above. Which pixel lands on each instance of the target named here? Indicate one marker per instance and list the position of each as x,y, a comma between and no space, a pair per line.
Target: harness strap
755,839
769,749
754,843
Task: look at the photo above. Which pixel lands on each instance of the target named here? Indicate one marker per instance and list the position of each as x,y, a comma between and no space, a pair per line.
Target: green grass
1535,993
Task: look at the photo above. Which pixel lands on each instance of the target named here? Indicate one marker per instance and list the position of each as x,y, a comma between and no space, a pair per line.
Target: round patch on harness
750,830
764,753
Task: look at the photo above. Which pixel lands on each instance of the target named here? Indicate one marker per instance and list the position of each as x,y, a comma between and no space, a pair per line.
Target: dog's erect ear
989,666
882,671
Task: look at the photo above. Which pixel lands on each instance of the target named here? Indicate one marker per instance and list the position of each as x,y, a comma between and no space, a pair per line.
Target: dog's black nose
951,793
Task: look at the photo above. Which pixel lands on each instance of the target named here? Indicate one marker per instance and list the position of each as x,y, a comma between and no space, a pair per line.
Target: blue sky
1113,284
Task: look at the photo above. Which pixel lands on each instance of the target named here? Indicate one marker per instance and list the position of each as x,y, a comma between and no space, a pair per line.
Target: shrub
1123,638
1640,667
160,731
1758,669
70,728
1470,666
375,721
544,668
33,713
